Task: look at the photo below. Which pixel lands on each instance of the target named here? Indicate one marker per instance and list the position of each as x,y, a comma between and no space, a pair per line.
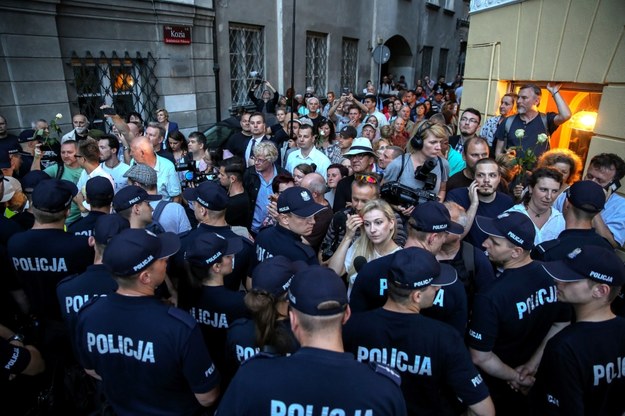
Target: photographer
422,167
266,104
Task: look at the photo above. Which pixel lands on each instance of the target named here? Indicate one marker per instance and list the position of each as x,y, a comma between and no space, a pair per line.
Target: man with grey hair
315,183
156,134
168,183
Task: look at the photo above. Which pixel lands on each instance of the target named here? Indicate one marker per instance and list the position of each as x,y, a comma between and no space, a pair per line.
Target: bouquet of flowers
528,160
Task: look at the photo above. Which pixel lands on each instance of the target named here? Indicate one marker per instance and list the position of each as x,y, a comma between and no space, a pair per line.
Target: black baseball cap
108,226
274,275
316,285
589,262
516,227
349,131
587,196
298,201
133,250
433,217
99,188
53,195
416,268
209,194
208,248
131,195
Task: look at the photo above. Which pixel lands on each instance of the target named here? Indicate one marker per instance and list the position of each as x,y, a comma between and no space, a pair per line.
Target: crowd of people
151,272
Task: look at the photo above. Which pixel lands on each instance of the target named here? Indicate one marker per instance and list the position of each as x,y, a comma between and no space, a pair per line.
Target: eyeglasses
366,178
469,120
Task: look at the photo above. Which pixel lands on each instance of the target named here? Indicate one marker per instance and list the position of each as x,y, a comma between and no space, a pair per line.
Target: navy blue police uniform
298,384
429,355
582,371
151,356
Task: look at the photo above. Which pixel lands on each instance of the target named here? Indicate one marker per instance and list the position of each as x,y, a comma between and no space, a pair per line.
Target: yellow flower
519,133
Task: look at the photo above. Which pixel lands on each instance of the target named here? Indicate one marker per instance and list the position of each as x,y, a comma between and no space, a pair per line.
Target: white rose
541,138
59,116
519,133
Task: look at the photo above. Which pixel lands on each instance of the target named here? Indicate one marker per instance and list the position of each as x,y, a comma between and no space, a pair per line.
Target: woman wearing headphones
422,151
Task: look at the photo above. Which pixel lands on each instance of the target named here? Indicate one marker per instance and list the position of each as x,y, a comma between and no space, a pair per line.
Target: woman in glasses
378,226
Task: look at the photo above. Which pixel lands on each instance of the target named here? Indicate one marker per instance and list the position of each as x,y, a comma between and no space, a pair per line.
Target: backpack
155,227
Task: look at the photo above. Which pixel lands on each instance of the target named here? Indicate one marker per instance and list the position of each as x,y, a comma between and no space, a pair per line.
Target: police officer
514,316
213,305
209,206
584,200
428,226
296,219
270,329
74,291
99,193
428,354
583,367
46,254
319,377
150,357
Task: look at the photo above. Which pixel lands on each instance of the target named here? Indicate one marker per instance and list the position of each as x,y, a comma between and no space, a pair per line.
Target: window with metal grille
442,62
247,54
128,84
316,61
350,63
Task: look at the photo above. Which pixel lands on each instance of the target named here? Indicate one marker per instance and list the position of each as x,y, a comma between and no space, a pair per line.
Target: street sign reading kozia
180,35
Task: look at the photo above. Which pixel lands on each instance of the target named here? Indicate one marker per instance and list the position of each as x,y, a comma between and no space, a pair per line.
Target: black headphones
417,140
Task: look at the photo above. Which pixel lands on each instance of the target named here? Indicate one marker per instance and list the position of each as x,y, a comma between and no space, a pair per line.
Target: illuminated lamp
583,120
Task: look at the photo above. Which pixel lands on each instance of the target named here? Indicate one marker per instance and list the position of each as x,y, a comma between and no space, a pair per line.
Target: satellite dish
381,54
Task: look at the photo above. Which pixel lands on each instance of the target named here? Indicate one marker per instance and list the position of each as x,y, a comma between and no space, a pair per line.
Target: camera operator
416,169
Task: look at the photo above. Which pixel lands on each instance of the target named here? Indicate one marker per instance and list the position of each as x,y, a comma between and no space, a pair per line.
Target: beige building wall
578,42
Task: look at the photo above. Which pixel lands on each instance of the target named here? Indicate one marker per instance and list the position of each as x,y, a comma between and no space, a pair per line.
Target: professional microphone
359,263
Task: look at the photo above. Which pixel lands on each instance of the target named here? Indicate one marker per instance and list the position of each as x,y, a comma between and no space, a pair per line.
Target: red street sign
180,35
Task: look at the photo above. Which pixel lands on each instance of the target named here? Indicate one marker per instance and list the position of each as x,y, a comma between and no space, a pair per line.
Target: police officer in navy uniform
296,219
46,254
214,306
584,200
74,291
150,357
429,355
320,377
515,315
428,226
209,206
270,330
99,192
582,371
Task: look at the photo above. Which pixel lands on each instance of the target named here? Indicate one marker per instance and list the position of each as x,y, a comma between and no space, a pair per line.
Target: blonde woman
377,225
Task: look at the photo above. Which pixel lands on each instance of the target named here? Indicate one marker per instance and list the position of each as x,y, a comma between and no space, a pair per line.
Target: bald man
167,181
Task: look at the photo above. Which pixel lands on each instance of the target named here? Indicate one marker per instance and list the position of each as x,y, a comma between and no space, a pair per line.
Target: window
426,62
247,54
128,84
442,62
316,61
350,63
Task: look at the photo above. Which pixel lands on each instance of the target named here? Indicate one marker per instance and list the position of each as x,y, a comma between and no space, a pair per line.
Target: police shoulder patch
386,372
183,316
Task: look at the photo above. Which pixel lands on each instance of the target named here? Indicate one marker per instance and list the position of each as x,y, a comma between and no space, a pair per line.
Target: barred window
350,64
128,84
247,54
316,61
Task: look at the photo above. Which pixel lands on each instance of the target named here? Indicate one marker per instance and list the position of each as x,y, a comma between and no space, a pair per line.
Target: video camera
396,193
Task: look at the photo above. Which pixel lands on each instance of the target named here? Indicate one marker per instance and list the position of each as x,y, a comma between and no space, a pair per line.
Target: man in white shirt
307,153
